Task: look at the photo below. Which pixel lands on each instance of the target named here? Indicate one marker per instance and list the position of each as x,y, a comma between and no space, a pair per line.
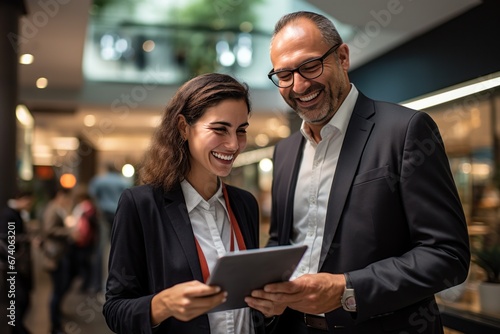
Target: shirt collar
339,121
194,199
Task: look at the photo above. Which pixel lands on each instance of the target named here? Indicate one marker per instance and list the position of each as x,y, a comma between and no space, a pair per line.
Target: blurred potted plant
488,258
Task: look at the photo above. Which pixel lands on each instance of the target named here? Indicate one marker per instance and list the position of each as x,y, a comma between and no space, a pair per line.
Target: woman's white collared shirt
211,227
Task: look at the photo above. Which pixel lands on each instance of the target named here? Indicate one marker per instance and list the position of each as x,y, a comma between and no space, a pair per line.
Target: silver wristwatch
348,300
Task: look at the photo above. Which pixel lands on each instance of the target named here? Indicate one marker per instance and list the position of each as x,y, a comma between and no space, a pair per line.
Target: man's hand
310,293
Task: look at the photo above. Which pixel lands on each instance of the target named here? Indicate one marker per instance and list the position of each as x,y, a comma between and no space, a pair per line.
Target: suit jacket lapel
175,208
295,148
358,132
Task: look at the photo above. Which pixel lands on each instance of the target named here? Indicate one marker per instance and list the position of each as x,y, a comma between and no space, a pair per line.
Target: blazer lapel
175,208
358,132
295,147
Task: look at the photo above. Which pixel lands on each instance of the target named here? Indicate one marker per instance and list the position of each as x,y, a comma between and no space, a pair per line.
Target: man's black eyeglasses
310,69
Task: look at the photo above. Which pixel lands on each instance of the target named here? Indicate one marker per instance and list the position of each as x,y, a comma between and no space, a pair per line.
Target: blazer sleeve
438,252
127,306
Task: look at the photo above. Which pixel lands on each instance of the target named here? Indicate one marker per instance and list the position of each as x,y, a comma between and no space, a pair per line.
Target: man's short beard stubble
327,110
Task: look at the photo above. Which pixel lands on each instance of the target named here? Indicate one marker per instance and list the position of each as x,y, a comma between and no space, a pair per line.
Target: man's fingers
282,298
283,287
267,307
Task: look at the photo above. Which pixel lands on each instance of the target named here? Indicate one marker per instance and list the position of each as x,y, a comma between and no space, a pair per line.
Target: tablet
241,272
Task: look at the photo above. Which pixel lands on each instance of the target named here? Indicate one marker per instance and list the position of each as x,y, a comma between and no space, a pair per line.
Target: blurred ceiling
55,32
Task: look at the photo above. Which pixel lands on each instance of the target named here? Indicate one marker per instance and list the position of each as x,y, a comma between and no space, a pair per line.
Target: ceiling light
225,55
121,45
65,143
466,168
26,59
148,46
481,169
67,180
41,150
261,139
128,170
246,26
283,131
42,83
244,56
24,117
227,58
42,155
455,92
89,120
266,165
273,123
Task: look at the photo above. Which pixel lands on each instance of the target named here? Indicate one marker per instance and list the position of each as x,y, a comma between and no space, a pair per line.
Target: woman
169,232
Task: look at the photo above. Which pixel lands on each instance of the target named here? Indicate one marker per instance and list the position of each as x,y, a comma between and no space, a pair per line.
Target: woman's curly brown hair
167,161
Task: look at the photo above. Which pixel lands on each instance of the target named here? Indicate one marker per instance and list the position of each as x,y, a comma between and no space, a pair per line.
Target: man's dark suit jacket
394,221
153,248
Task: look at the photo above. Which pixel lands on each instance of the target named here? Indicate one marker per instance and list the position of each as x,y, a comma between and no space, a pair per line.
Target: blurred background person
106,190
86,235
14,218
59,252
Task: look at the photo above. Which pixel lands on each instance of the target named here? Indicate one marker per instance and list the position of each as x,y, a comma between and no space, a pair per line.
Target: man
106,189
367,186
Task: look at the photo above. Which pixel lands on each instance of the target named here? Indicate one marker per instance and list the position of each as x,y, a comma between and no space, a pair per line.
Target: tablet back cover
240,272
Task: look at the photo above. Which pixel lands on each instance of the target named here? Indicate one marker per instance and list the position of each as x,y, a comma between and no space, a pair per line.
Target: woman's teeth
222,156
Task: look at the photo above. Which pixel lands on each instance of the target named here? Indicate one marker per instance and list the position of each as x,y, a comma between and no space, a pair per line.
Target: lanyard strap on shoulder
234,234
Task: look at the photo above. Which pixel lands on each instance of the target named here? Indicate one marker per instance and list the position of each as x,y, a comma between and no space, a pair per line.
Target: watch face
348,301
351,303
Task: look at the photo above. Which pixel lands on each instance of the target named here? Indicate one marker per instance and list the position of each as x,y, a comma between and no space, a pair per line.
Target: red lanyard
235,232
